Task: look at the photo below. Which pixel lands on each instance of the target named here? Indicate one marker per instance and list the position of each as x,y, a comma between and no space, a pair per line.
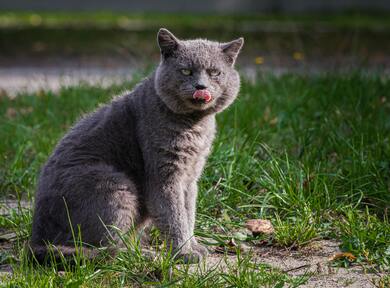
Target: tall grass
312,154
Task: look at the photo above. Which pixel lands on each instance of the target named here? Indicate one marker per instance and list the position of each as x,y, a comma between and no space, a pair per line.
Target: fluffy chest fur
184,149
173,145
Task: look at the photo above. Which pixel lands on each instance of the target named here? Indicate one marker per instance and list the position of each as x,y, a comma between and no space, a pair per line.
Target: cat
140,156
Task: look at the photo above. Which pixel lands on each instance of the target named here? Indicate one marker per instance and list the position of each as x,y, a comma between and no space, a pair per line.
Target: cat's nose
200,87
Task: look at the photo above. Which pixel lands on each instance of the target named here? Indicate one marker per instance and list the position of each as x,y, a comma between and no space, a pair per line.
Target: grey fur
140,156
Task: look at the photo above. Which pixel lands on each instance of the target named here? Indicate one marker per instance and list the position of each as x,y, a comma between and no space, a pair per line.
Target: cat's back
106,136
93,136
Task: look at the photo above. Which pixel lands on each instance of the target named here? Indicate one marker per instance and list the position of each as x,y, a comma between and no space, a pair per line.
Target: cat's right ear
232,49
167,42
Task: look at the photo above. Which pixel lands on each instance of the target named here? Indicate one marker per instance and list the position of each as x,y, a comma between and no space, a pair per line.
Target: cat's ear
231,49
167,42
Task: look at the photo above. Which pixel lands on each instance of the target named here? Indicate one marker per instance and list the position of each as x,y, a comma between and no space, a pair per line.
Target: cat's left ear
167,41
231,49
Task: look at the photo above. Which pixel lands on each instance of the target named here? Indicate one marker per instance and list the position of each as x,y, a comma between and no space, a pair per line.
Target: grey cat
140,156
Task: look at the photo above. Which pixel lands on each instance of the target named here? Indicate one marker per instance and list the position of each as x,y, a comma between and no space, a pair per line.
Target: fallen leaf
225,216
39,46
259,226
343,255
3,93
27,110
11,113
273,121
307,181
333,157
298,56
267,113
262,191
259,60
230,247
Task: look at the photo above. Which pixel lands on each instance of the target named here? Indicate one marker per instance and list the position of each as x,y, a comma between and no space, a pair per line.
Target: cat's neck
193,116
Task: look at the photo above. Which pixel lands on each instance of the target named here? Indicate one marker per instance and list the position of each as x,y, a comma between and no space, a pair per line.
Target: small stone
260,226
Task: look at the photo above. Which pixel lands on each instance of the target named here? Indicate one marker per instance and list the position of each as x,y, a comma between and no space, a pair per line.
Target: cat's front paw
190,257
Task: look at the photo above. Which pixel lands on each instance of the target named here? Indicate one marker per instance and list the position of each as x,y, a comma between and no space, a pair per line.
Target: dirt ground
314,259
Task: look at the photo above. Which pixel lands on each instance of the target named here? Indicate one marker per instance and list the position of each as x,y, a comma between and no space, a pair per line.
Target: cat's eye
186,72
214,72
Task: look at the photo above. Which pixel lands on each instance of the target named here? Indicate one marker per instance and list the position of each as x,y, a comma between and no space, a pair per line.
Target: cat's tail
60,254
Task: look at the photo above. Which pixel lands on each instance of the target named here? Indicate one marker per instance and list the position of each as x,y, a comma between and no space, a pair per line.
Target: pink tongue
202,94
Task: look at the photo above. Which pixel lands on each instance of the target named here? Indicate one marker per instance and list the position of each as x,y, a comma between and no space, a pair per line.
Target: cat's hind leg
84,202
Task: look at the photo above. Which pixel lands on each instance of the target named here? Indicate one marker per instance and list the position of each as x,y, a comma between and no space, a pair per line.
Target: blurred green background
314,41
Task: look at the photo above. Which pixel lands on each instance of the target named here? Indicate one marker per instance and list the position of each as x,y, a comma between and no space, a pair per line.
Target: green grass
137,21
312,154
130,37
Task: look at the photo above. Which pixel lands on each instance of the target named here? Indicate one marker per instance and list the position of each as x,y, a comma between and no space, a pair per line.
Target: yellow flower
259,60
124,22
35,20
298,56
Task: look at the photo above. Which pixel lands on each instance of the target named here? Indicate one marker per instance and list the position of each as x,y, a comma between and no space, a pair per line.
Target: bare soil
314,259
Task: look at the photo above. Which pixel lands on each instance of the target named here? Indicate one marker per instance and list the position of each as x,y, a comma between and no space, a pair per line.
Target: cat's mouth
201,97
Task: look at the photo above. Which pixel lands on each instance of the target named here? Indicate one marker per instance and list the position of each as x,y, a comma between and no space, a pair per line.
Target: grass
150,20
312,154
126,37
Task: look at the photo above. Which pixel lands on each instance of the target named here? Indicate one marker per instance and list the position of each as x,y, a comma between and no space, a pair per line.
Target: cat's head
197,75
